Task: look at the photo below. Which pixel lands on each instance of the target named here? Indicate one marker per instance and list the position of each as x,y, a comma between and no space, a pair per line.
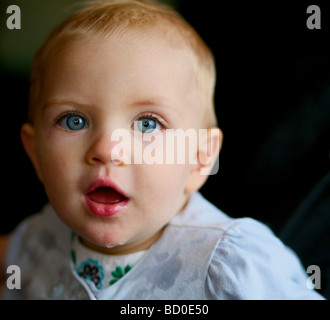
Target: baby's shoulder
39,247
251,262
199,213
247,260
37,234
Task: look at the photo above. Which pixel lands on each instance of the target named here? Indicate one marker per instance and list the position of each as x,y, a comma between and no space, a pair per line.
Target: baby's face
91,89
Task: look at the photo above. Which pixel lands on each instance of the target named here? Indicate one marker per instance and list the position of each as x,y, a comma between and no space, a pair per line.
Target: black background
273,104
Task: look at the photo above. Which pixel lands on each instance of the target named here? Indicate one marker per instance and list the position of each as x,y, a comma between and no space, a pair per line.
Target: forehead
133,67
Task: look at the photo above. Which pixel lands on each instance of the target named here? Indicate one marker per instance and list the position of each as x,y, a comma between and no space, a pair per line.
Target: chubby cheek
59,169
160,189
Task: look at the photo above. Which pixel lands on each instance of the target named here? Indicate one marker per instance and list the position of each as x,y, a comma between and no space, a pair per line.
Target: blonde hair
107,17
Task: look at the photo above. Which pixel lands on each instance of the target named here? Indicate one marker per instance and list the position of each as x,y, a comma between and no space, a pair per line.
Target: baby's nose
107,149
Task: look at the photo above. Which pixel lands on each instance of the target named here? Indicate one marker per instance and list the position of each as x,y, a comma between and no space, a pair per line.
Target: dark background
272,102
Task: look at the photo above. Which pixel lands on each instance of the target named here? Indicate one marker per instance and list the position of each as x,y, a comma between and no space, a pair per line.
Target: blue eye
74,122
147,125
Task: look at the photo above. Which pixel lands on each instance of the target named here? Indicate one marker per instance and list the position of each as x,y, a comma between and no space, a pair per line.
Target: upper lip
105,183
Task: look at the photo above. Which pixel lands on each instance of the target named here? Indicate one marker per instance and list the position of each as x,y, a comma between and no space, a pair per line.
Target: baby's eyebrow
145,102
56,102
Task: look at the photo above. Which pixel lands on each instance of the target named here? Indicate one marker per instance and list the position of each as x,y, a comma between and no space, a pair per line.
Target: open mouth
106,195
104,199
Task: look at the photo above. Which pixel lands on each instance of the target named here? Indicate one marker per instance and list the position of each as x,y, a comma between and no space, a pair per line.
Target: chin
105,241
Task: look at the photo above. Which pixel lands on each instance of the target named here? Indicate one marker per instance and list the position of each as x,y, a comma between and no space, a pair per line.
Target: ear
29,144
209,146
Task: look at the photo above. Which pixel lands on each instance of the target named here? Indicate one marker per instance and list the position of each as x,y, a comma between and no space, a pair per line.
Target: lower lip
104,209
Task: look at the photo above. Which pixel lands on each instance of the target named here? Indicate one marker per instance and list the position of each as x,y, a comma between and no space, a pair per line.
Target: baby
118,228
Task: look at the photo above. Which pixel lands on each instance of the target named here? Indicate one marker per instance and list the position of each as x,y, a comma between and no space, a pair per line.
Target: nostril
117,162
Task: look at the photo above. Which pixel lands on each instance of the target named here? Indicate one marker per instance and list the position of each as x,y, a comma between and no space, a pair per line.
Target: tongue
106,195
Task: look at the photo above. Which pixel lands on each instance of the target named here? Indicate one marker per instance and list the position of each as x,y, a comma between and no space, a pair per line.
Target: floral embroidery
91,270
118,273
